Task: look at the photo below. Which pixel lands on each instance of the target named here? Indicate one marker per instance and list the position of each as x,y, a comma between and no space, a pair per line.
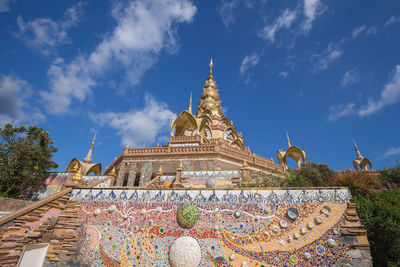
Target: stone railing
221,147
185,139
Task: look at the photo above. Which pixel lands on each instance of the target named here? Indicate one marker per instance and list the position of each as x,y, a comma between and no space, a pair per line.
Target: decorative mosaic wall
51,185
211,227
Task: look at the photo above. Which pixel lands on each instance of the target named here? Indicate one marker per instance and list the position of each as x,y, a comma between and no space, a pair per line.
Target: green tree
25,157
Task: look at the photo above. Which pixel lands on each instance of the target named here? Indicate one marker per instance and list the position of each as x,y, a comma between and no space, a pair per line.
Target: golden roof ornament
361,161
88,158
180,165
209,99
190,104
359,156
245,164
160,170
77,178
288,140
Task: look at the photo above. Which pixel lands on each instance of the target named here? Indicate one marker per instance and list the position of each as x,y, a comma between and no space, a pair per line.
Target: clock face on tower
228,135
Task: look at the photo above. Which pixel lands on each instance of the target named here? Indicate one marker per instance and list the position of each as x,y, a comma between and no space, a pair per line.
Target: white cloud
361,29
349,77
392,151
143,30
249,61
285,20
339,111
312,9
372,30
330,54
227,11
44,34
392,20
5,5
389,95
14,108
283,74
358,30
141,126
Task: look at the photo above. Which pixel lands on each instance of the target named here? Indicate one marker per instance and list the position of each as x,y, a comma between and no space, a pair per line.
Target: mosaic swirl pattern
232,227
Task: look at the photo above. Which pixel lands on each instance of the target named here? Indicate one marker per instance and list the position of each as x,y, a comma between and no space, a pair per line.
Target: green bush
391,175
380,214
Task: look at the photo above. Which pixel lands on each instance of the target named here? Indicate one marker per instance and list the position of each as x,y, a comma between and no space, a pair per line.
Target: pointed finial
190,104
211,65
180,165
127,147
113,171
160,170
88,158
357,151
245,164
288,140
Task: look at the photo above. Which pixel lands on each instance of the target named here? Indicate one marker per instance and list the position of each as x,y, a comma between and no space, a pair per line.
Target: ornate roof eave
187,117
86,168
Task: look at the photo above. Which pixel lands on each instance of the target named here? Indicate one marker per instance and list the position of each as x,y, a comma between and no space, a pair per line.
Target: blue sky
325,71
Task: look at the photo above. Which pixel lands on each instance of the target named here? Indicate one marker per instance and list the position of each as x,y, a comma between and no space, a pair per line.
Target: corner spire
357,151
190,104
288,140
88,158
211,65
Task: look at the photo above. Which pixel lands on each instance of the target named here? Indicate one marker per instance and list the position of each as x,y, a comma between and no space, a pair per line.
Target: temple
200,143
184,204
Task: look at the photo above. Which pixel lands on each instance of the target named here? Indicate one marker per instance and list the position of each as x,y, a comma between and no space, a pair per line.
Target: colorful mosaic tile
144,227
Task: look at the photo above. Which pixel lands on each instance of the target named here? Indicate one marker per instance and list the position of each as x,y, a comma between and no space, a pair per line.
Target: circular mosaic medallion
331,243
326,210
185,252
320,250
187,216
307,255
293,259
275,229
237,214
210,183
283,223
293,213
318,220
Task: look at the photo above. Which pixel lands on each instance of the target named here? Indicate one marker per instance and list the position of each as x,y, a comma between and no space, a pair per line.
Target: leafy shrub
391,175
380,214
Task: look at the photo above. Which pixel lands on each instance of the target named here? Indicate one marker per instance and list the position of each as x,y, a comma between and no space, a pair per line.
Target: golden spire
359,157
245,164
88,158
288,140
180,165
190,104
209,99
160,170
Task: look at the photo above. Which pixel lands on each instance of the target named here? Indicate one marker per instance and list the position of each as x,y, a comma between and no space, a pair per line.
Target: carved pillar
132,174
246,177
121,174
178,178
